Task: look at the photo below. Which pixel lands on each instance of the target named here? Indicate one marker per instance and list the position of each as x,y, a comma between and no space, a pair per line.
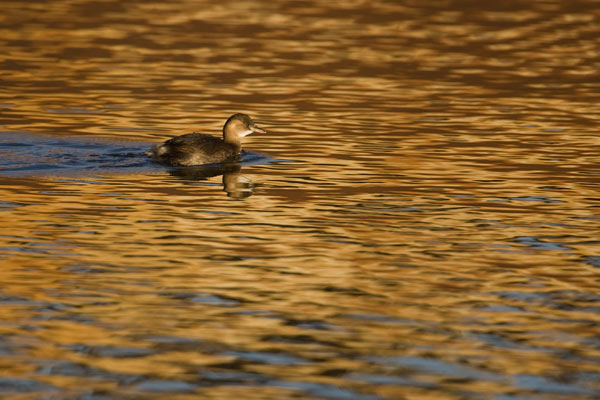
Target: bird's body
195,149
198,148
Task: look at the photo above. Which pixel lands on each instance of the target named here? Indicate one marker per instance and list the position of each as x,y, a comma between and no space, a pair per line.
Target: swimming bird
199,148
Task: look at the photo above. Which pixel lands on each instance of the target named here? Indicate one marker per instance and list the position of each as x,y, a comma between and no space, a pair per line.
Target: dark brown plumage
199,148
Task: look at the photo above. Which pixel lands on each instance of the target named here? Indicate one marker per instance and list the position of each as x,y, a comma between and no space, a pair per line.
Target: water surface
421,221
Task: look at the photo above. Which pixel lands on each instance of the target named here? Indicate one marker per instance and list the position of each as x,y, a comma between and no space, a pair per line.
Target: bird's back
195,149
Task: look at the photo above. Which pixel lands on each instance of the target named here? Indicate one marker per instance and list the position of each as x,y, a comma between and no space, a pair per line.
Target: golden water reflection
424,224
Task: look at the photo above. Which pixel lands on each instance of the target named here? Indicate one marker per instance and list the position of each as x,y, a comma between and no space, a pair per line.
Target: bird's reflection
236,185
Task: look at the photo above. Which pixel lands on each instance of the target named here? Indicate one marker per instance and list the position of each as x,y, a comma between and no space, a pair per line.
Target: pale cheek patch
246,133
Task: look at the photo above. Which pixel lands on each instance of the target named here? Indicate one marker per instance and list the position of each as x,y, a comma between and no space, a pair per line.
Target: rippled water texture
421,222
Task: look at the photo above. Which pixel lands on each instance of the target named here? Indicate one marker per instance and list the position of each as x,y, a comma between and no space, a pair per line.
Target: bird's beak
256,129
